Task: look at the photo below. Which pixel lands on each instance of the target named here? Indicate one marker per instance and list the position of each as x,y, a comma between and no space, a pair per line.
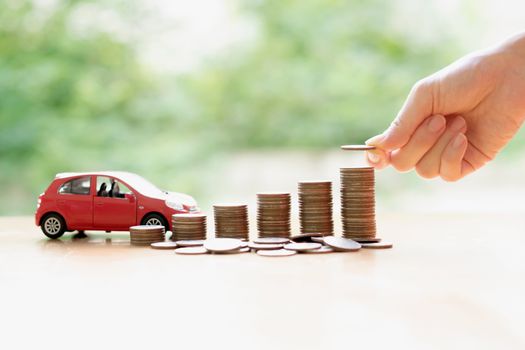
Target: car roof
123,175
136,181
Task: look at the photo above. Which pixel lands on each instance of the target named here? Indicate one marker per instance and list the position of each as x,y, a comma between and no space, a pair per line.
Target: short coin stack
231,221
188,227
315,207
146,234
273,214
358,203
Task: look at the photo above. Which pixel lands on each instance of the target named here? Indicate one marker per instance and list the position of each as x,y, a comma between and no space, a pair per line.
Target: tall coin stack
188,227
231,221
315,207
146,234
358,203
273,214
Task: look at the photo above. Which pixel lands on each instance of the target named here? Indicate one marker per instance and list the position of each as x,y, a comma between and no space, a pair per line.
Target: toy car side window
103,186
81,186
118,189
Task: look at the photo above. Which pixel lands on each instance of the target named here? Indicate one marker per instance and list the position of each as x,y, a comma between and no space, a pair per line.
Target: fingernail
436,123
373,158
458,124
458,141
376,139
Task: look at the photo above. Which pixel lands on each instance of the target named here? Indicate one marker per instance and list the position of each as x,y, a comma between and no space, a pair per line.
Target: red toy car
108,201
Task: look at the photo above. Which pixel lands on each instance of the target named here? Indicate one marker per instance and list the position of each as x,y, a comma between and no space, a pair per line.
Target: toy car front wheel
155,219
53,226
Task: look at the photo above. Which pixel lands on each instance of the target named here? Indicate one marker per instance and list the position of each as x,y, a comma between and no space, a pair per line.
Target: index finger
417,107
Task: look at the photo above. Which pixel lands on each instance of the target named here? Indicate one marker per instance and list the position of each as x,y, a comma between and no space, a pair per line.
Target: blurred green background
169,89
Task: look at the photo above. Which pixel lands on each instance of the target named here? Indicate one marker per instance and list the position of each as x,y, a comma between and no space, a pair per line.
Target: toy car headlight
175,205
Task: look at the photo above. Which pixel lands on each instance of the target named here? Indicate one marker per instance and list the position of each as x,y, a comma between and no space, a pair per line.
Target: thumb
417,107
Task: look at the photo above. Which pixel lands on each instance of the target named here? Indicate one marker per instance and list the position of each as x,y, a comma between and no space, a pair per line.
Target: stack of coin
146,234
273,214
231,221
188,227
315,207
358,203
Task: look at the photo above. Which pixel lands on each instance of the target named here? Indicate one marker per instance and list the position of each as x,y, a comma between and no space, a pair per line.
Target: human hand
456,120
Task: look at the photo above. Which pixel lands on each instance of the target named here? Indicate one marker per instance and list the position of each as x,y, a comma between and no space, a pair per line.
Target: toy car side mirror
130,197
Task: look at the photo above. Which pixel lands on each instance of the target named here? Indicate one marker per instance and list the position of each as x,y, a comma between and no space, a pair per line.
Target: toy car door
114,205
76,202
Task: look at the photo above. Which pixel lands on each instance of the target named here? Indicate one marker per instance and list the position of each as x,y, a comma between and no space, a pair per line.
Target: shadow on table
89,239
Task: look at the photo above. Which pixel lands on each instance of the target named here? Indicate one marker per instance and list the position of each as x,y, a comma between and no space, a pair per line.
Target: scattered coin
191,250
306,237
271,240
190,243
301,247
368,240
342,244
164,245
236,251
259,246
276,253
221,245
358,147
322,250
379,245
319,239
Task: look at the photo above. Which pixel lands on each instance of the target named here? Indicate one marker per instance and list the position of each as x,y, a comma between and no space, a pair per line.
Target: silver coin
357,147
322,250
164,245
271,240
191,250
258,246
276,253
220,245
190,243
305,237
236,251
378,245
301,247
147,228
342,244
319,239
367,240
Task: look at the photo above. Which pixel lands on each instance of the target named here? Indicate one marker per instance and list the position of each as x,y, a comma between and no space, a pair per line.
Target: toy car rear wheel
53,226
155,219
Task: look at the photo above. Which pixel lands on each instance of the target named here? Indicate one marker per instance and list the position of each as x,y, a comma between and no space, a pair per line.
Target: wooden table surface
451,282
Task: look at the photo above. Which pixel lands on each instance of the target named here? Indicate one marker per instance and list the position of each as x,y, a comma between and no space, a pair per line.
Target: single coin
220,245
367,240
271,240
276,253
190,243
357,147
191,250
258,246
323,250
301,247
379,245
164,245
305,237
146,228
319,239
236,251
342,244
